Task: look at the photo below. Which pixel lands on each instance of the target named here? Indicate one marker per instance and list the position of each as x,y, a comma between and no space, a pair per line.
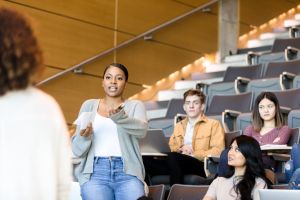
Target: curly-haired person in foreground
34,151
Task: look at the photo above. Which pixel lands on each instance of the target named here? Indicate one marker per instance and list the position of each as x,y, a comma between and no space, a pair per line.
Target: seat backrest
187,192
294,138
239,102
154,105
280,45
274,69
280,186
251,72
284,98
229,136
157,192
262,85
175,106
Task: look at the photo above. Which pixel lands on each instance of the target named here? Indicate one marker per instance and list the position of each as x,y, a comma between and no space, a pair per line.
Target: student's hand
113,111
88,131
187,149
276,140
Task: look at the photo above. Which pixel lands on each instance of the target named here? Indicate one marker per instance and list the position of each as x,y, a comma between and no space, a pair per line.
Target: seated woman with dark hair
246,175
267,124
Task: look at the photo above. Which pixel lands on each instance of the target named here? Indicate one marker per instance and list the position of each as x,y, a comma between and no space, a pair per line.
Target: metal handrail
126,43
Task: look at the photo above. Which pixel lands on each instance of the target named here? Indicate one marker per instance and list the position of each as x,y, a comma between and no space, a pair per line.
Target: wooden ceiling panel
198,33
192,3
67,42
258,12
100,12
136,16
148,61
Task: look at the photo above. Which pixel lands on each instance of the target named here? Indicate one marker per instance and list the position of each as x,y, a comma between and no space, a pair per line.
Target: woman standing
247,174
267,124
111,164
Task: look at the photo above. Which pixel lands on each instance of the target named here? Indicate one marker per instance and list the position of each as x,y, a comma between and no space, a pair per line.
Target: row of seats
272,76
154,144
233,111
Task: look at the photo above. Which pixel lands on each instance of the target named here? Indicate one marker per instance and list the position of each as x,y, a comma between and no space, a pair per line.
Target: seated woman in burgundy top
267,124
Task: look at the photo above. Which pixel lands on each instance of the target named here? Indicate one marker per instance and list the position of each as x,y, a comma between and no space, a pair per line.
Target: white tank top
106,140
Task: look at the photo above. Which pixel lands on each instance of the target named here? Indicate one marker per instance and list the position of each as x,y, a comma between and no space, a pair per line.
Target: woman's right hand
87,131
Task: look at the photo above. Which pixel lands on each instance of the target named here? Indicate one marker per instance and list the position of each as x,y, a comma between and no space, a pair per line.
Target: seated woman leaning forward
246,176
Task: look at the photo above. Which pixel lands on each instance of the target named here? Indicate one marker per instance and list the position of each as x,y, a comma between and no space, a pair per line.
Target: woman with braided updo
34,152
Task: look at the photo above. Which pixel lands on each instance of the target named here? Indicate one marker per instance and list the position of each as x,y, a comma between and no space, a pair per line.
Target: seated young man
193,139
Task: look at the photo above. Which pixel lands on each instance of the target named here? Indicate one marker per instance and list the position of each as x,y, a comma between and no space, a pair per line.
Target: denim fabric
109,182
294,183
223,168
288,170
293,164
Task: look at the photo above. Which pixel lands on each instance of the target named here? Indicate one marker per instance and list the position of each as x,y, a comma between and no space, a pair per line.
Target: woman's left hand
115,110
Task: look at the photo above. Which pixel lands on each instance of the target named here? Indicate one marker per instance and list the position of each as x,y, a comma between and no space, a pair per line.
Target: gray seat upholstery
167,123
294,118
286,103
157,192
221,108
188,192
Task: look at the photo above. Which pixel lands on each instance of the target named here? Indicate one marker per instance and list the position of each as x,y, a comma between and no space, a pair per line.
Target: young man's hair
192,92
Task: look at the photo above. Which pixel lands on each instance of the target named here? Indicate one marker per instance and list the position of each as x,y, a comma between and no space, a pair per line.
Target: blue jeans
109,182
294,183
294,163
223,168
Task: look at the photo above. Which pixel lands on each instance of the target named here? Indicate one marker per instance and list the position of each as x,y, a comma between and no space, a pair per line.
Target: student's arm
211,193
137,124
260,184
216,143
176,138
248,131
81,144
283,136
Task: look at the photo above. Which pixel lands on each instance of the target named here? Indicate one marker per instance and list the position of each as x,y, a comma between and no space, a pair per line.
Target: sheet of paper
83,120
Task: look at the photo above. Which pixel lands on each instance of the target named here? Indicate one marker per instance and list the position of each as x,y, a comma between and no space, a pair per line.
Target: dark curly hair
250,149
20,54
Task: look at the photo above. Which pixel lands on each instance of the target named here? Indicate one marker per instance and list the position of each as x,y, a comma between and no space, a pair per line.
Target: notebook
278,194
155,143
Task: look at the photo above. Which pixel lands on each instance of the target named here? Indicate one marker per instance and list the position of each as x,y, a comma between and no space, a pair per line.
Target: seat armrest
286,80
243,80
290,53
232,113
294,31
240,84
231,124
207,160
252,57
214,159
288,75
202,86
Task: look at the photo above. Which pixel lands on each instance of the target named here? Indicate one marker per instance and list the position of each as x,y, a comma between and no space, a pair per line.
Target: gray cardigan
131,124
